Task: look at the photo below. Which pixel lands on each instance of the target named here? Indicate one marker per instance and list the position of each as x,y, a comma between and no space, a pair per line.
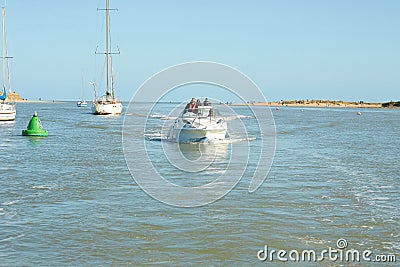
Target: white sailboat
107,104
7,110
82,103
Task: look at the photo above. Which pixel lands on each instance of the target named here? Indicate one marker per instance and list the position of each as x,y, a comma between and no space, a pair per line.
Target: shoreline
276,104
317,104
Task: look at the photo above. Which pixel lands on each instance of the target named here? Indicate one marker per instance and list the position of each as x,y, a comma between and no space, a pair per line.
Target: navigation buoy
35,127
359,113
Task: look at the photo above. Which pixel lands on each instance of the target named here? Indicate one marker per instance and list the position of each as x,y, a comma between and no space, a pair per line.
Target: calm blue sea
69,199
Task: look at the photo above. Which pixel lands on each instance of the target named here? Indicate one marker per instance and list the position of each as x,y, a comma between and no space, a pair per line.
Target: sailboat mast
108,53
83,82
8,71
111,73
3,12
107,48
112,82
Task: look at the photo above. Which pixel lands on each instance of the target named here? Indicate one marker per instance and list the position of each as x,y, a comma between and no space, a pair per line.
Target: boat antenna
94,88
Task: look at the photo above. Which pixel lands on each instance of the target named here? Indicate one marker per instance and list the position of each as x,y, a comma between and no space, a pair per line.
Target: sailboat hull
100,108
7,112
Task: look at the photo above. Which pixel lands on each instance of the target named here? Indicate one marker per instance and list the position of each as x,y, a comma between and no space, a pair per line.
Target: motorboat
199,124
81,104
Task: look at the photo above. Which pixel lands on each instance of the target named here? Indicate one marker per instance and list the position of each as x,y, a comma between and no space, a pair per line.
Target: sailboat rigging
107,104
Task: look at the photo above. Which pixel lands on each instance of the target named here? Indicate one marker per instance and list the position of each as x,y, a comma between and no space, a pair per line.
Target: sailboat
107,104
82,103
7,110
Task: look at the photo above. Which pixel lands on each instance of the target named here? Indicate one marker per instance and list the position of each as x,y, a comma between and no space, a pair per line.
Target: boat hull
184,130
196,135
197,126
7,112
106,108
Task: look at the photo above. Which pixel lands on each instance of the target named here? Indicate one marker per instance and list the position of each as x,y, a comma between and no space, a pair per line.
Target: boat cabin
200,111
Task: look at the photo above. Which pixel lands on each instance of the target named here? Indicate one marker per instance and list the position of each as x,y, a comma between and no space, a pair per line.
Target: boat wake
238,117
11,237
166,117
159,137
6,122
161,117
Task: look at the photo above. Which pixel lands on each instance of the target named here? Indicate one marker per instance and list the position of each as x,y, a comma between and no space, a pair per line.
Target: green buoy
35,127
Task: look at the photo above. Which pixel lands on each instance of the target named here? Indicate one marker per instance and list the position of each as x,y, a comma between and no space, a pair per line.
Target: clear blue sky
315,49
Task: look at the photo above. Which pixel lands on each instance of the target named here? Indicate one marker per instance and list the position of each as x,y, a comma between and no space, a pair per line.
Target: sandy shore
14,97
27,101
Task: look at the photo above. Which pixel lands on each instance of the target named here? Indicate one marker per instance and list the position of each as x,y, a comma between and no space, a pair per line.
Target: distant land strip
286,103
322,104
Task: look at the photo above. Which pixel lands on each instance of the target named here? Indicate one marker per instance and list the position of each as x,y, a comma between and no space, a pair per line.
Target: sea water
69,199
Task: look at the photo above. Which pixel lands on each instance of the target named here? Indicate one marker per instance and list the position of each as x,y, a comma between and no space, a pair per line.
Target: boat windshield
201,111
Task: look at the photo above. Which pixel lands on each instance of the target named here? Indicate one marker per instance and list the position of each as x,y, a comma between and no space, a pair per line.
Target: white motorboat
197,125
81,104
107,104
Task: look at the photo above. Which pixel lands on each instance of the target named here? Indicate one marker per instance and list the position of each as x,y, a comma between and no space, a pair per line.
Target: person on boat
206,102
211,113
191,106
198,104
108,96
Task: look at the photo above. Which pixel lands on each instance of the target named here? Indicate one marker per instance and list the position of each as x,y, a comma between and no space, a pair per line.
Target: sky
311,49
